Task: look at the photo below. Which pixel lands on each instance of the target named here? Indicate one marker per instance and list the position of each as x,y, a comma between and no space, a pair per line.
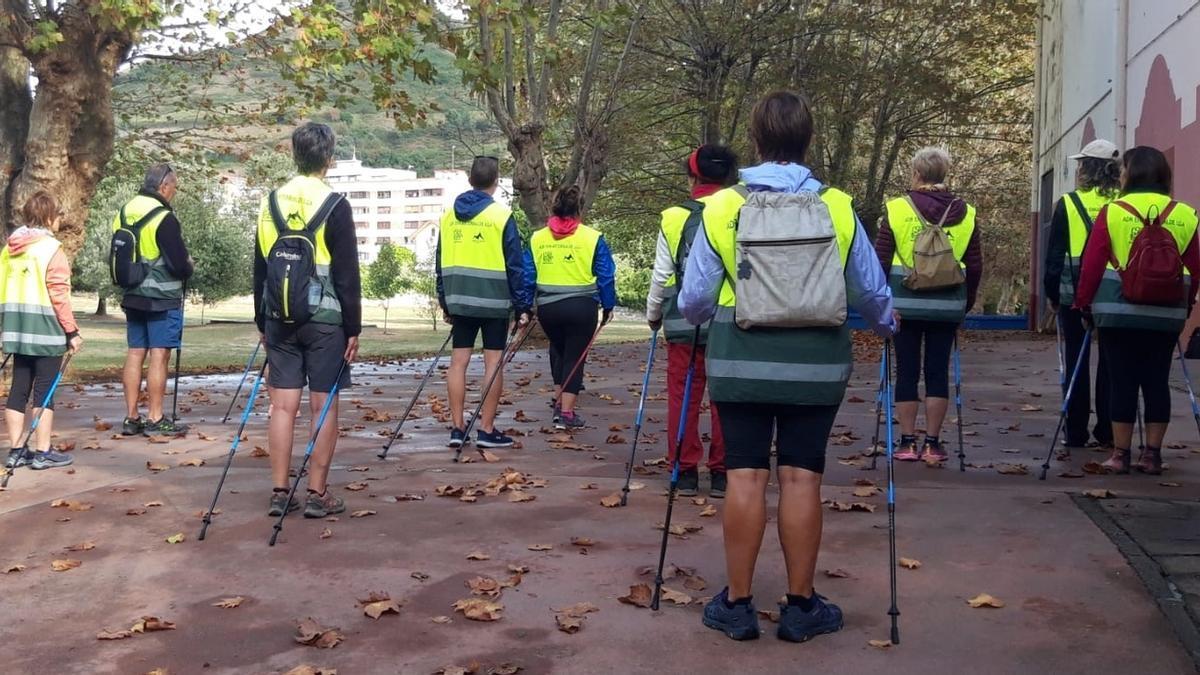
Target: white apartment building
397,206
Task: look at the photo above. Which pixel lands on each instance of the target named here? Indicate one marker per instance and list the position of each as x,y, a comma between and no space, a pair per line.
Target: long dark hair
1103,175
1146,170
568,202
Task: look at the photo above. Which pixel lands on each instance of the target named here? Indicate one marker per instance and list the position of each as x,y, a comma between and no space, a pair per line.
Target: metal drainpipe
1121,76
1034,311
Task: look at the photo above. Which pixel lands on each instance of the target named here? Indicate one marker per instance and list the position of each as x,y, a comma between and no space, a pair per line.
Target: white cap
1098,149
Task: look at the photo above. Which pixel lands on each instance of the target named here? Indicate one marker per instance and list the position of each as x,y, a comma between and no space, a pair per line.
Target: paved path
1073,602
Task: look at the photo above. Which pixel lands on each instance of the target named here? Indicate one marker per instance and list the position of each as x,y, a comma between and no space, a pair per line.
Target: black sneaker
50,459
797,625
457,437
689,483
718,482
569,420
132,426
319,506
739,622
18,457
495,439
164,427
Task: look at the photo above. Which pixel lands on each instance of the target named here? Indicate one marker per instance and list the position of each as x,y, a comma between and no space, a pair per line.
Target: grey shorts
310,354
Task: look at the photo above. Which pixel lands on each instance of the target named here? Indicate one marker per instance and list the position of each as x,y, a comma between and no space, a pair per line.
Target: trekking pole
894,610
637,425
878,409
509,349
245,373
23,449
1062,416
1141,434
1187,378
312,443
237,439
1062,356
420,387
178,356
962,454
578,364
687,399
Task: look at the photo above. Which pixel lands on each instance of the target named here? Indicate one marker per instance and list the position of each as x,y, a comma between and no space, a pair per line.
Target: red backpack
1153,275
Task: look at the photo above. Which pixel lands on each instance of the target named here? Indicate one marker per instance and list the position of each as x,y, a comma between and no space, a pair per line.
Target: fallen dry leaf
1030,408
419,576
838,573
484,586
309,632
771,615
639,596
582,541
362,513
441,619
355,487
615,439
156,467
478,555
326,533
1013,469
1169,484
578,609
518,496
490,457
101,425
880,644
70,505
135,512
65,564
866,491
113,634
152,504
909,563
675,596
1099,494
380,607
611,500
305,669
568,624
259,452
229,603
191,461
985,600
16,567
1094,467
151,624
540,547
82,546
589,486
176,538
479,609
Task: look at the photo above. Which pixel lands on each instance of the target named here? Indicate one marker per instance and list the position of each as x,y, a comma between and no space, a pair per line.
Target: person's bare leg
456,384
156,381
41,441
799,526
906,413
280,432
744,521
568,402
131,380
491,361
322,456
15,421
1155,433
935,415
1122,435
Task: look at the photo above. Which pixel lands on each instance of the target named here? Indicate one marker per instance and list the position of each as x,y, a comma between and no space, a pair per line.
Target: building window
358,195
362,256
380,241
411,225
384,210
412,193
412,208
384,225
431,192
360,224
361,210
362,241
383,194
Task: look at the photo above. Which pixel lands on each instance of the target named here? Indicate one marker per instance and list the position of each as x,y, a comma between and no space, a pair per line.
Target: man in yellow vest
312,348
154,309
480,281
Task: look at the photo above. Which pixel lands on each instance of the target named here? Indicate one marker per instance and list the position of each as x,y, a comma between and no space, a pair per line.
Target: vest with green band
474,271
1078,229
1109,307
564,266
299,199
948,305
680,225
800,366
30,326
159,284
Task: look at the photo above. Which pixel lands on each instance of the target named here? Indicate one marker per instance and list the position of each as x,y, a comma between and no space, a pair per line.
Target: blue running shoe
50,459
739,622
496,439
457,437
797,625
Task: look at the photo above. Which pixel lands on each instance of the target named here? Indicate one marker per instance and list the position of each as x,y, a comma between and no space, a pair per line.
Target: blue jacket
602,266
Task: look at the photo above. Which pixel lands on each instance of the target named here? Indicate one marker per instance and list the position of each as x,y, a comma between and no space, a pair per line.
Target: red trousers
693,449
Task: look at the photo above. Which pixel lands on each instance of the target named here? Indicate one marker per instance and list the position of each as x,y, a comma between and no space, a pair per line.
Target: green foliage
267,169
390,275
633,283
219,239
89,269
425,284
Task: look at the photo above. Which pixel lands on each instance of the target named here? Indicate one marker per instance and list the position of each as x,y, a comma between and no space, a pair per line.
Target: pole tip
895,635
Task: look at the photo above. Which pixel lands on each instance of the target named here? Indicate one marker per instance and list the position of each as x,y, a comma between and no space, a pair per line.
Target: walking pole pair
178,356
510,349
420,387
679,435
637,426
237,439
23,449
1187,378
883,374
245,373
312,443
962,454
1062,416
889,395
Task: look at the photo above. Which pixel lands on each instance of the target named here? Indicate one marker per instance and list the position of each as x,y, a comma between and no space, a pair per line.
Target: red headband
694,163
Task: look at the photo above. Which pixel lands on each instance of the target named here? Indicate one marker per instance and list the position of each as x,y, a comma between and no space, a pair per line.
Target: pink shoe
933,452
907,452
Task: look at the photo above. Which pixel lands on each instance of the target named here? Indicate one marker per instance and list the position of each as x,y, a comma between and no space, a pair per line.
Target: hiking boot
457,437
495,439
569,420
164,427
738,622
319,506
1118,461
717,484
50,459
279,501
906,451
797,625
18,457
133,426
689,483
1150,462
934,451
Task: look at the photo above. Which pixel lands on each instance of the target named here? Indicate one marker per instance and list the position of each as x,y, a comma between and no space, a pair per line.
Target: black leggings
1138,360
32,374
939,341
569,324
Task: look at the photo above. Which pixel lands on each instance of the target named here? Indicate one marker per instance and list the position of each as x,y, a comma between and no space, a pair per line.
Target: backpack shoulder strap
1083,212
276,215
143,221
913,205
322,214
690,227
1132,211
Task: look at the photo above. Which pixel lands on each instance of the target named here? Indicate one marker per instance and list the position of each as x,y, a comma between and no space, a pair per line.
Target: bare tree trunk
101,305
15,103
529,173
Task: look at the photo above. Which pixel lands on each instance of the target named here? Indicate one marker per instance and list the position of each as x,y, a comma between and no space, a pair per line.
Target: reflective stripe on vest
1110,307
1077,233
474,276
30,326
159,283
298,201
677,329
804,366
564,266
950,304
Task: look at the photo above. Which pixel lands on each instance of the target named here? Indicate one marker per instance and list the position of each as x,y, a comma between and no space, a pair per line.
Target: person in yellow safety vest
480,281
154,310
709,169
569,271
37,325
1138,340
779,389
311,351
931,317
1097,182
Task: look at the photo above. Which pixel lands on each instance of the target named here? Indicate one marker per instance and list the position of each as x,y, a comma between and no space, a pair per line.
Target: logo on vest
570,257
547,258
478,236
457,236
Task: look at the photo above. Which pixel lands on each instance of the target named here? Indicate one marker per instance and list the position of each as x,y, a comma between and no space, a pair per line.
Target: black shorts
32,375
466,328
309,354
800,432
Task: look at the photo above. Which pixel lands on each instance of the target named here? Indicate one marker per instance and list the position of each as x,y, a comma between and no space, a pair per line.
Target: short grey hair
156,175
931,164
312,147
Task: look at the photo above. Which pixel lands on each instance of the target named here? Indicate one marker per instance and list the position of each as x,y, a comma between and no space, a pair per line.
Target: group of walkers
751,283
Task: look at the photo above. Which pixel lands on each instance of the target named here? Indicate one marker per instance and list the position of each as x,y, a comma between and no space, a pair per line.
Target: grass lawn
224,341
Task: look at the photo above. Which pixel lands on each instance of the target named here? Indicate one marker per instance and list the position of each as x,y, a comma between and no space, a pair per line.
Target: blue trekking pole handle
646,378
687,402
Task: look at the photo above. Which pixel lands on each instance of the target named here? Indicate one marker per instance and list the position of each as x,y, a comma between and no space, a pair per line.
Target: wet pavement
1073,601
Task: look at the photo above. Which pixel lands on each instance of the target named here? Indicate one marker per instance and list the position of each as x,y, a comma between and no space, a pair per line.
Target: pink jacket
58,275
